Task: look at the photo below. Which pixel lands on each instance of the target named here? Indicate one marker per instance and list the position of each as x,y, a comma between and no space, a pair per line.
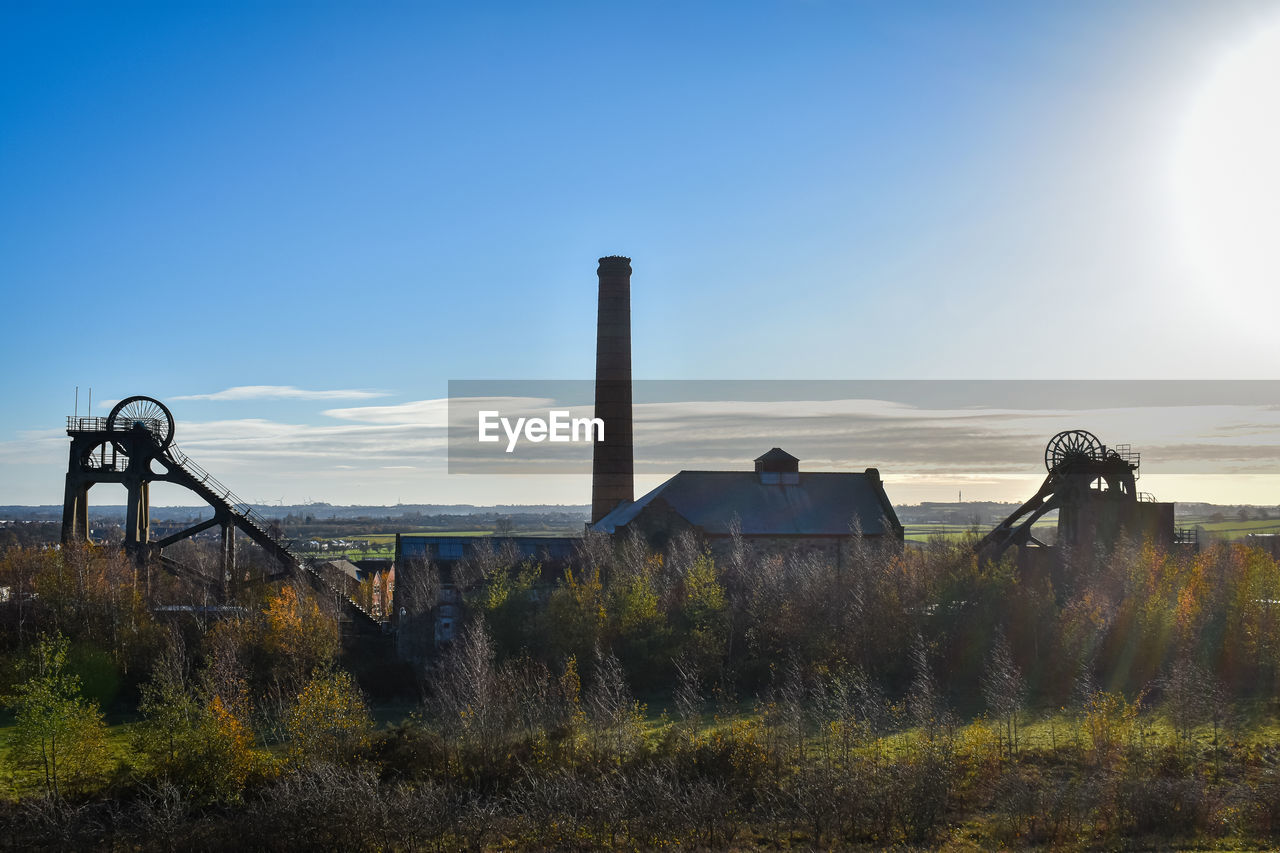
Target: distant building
1268,542
381,573
371,583
776,508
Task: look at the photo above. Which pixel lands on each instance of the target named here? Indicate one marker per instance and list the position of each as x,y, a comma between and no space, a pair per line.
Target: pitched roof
345,566
776,454
815,504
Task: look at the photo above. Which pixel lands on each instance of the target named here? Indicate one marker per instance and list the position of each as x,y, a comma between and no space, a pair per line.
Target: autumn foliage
677,699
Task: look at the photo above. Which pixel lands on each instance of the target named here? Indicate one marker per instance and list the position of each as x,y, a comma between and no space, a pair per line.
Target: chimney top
615,261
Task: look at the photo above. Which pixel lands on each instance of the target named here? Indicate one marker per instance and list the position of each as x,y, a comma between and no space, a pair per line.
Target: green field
119,742
1232,528
386,541
950,532
1227,529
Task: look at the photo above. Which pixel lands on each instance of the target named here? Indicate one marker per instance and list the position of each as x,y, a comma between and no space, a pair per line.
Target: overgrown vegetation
645,700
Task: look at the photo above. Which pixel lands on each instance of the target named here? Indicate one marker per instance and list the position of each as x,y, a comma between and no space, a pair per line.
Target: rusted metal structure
133,446
1094,489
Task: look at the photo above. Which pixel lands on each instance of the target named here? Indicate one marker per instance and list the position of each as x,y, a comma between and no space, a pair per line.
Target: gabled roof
777,454
816,504
345,566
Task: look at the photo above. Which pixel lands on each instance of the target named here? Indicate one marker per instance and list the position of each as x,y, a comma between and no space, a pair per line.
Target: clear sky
359,202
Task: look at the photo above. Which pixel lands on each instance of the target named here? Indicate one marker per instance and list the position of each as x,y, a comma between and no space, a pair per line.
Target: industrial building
775,508
426,616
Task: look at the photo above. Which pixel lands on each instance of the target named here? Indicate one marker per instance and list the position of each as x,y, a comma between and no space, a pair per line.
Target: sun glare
1227,172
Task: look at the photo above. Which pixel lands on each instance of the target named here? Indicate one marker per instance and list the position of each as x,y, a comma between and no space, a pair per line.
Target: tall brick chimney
612,472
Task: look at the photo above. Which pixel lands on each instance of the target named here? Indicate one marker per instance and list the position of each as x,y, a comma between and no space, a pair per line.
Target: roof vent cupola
778,466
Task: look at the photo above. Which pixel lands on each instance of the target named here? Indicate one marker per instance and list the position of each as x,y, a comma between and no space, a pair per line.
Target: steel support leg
75,511
228,560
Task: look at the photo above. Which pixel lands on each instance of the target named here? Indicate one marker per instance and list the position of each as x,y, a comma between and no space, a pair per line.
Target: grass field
119,742
926,531
1228,529
386,541
1232,528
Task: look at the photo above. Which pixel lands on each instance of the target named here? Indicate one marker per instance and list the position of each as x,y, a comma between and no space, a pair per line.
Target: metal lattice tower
133,446
1081,470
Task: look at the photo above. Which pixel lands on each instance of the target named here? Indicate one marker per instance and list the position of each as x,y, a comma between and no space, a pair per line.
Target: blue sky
377,199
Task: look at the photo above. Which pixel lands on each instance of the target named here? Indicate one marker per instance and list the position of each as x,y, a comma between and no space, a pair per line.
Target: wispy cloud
379,452
35,447
259,443
284,392
417,413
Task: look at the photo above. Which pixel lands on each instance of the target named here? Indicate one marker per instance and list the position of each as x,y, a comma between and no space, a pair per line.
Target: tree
330,721
300,638
468,696
503,596
1192,697
197,742
1003,689
688,695
702,613
576,613
169,713
614,714
640,624
923,703
58,734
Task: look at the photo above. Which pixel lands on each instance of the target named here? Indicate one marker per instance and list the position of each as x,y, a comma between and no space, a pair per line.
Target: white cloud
283,392
417,412
264,444
379,453
35,447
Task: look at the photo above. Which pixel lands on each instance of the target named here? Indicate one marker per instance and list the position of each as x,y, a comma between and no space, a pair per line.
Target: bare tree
923,703
613,712
468,696
483,561
417,592
1003,689
688,695
594,549
1192,698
